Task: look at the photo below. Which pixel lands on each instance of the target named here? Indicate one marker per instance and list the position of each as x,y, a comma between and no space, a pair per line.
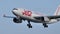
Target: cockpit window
15,9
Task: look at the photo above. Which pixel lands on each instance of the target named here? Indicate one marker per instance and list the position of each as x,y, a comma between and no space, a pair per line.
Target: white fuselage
19,13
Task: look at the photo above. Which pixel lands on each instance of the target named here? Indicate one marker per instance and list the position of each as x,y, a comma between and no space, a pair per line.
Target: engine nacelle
43,18
17,20
46,19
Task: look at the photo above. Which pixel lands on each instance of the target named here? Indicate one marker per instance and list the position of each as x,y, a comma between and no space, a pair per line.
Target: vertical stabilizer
57,11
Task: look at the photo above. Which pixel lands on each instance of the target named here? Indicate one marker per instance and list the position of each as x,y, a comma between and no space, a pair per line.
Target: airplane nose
14,12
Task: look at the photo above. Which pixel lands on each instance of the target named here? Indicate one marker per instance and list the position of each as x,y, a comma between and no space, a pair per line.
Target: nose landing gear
29,24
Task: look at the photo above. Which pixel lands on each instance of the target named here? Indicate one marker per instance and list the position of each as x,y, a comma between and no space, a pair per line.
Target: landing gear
45,25
29,25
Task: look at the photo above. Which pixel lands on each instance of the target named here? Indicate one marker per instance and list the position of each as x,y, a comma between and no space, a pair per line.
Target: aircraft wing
53,17
50,17
8,16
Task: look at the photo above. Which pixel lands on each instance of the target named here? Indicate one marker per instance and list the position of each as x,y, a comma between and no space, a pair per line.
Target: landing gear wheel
29,25
45,25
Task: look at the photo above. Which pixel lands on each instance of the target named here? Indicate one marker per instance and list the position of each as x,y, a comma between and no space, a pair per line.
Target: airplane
30,16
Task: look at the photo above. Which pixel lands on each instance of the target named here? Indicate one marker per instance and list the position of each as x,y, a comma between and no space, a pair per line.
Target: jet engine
46,19
15,20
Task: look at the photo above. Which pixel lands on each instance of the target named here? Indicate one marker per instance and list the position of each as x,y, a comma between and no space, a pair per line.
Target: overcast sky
47,7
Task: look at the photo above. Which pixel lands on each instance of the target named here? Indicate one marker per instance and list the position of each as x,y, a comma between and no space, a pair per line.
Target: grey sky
48,7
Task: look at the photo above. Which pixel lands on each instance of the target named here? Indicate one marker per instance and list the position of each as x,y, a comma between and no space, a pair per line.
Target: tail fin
57,11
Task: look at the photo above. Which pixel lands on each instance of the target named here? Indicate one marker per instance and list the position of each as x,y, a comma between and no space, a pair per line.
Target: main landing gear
45,25
29,24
